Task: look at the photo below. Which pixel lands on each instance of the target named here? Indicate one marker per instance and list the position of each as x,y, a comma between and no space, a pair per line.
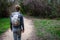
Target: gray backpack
15,20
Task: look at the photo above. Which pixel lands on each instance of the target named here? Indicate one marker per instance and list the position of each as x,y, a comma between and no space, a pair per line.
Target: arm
22,23
10,23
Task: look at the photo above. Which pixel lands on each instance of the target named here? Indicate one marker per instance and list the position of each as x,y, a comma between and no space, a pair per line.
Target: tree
42,8
4,4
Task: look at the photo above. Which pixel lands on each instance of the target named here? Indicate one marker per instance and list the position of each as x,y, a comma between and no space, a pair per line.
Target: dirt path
27,35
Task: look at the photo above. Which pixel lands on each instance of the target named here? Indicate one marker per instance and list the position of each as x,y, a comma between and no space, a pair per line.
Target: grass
4,24
49,26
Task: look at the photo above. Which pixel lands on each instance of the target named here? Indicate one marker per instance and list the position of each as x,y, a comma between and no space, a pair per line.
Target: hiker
17,23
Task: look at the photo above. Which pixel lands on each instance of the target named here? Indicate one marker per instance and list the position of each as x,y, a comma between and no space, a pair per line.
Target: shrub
4,4
41,8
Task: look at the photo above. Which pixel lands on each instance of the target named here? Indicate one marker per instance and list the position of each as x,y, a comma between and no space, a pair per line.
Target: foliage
4,4
22,8
41,8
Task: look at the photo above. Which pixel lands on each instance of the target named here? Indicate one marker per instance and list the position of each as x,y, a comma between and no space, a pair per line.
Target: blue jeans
16,34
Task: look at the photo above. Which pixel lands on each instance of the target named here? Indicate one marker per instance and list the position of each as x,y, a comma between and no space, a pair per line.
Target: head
17,7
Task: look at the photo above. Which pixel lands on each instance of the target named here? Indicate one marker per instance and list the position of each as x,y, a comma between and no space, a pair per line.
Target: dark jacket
21,21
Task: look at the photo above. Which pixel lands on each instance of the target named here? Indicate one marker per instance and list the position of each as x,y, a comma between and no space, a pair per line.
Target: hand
22,31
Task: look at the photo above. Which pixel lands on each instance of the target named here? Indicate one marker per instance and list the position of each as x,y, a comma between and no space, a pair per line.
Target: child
17,23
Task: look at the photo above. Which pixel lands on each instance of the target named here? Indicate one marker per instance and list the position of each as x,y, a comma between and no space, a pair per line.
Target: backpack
15,20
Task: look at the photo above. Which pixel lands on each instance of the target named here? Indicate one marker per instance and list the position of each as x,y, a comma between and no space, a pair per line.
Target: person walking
17,23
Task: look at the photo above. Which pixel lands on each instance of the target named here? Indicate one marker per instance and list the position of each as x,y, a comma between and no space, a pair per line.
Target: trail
27,35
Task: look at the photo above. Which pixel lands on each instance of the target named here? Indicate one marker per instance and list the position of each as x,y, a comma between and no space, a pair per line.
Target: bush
4,4
40,8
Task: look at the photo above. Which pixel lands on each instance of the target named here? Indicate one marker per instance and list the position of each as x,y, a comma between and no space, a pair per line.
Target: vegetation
4,24
47,28
41,8
4,11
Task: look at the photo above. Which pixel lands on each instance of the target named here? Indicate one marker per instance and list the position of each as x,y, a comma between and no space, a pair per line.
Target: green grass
4,24
49,26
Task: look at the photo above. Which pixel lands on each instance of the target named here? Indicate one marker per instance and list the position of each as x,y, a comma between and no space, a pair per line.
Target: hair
17,7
